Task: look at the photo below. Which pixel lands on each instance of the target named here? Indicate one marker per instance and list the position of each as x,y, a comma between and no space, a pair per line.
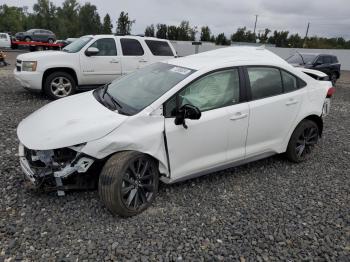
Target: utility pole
256,20
307,32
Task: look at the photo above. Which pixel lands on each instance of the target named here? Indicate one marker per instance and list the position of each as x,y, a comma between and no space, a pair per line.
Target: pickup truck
325,63
88,62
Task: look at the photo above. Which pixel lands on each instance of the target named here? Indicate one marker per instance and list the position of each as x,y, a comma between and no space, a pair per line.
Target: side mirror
187,111
318,63
91,51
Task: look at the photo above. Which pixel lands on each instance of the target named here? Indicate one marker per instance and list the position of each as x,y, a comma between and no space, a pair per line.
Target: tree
173,32
162,31
11,19
205,33
150,31
68,16
124,24
222,40
239,36
45,15
263,37
279,38
107,25
89,20
184,31
295,41
212,39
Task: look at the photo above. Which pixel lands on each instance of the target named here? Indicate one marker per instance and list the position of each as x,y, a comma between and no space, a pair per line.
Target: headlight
29,66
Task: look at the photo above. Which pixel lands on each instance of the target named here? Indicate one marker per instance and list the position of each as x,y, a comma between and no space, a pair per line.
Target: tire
334,78
302,141
50,41
59,84
27,39
121,190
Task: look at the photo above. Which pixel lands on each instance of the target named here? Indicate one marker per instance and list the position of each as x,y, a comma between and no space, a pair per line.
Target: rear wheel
59,84
27,39
128,183
303,140
50,41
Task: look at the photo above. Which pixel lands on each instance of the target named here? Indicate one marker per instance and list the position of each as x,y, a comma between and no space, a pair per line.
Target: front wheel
302,141
59,84
128,183
50,41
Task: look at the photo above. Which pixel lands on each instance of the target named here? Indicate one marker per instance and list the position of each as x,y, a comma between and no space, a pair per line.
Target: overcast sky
327,18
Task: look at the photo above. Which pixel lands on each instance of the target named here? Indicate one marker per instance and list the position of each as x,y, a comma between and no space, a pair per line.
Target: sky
327,18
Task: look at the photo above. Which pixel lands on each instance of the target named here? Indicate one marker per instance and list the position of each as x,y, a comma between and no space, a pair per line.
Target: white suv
171,121
88,62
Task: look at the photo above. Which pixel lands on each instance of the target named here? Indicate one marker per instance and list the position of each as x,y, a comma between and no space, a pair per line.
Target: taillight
330,92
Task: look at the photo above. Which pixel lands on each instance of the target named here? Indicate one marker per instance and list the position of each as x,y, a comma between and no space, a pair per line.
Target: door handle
114,61
292,102
143,61
238,116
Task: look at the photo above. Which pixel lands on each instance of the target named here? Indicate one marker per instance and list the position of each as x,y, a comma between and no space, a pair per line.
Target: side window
159,48
334,59
264,82
290,82
2,36
213,91
131,47
320,60
106,46
327,60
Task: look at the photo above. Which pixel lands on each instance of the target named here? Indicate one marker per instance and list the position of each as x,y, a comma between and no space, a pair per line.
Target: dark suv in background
40,35
328,64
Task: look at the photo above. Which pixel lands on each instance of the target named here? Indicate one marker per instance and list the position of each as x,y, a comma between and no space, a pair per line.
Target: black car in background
328,64
39,35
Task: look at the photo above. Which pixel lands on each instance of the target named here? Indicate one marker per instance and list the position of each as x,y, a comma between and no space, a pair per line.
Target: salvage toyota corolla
172,121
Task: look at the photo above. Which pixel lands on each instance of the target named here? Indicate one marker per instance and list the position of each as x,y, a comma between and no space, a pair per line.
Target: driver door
206,142
103,67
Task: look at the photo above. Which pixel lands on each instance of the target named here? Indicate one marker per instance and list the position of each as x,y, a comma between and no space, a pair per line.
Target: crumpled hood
35,56
69,121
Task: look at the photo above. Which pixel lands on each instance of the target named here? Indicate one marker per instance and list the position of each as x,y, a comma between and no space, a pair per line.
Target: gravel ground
270,210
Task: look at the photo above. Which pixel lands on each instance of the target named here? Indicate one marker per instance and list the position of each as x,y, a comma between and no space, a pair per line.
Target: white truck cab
88,62
5,40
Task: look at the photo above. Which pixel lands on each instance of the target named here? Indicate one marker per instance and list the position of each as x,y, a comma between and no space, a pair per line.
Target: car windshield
138,90
301,59
77,45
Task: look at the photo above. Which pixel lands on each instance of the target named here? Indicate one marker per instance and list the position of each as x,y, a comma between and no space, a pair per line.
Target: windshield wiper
114,101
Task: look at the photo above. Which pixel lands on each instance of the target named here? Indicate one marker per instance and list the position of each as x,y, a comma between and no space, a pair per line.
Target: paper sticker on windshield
180,70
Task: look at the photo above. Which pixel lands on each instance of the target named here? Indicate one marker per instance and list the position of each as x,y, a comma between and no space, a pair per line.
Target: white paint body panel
219,137
94,70
5,40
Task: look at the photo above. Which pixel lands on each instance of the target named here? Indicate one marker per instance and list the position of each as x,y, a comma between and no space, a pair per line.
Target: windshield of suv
301,59
141,88
77,45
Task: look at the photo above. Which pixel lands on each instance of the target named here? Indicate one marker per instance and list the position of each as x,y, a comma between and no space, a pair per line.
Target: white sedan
172,121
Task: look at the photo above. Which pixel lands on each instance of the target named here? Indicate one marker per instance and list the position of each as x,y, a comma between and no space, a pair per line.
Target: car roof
316,54
128,36
237,55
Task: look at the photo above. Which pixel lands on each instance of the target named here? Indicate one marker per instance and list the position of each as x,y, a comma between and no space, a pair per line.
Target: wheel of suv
128,183
59,84
27,39
334,78
303,140
50,41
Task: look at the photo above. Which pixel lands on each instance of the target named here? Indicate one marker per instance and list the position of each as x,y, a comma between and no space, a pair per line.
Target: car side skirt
217,168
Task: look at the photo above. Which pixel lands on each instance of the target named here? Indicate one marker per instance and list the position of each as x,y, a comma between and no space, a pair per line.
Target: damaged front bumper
53,169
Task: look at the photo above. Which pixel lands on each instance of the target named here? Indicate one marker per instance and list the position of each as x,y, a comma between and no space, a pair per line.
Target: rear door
134,56
103,67
275,102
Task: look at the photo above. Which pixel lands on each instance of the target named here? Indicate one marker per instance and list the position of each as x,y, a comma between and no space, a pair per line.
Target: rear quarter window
159,48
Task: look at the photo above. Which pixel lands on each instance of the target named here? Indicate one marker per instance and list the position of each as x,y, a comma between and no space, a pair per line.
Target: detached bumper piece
57,170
